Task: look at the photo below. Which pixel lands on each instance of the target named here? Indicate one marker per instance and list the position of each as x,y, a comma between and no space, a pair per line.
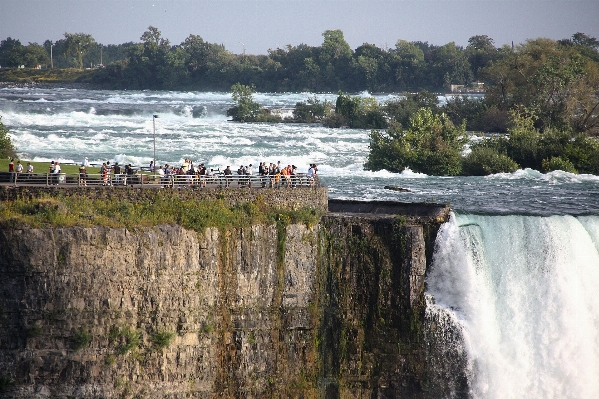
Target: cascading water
512,308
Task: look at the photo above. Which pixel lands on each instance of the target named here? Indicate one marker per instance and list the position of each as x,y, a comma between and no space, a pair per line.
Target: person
129,171
83,176
310,174
286,172
104,173
56,172
249,172
116,171
19,167
228,175
152,166
11,166
29,167
85,163
161,176
293,175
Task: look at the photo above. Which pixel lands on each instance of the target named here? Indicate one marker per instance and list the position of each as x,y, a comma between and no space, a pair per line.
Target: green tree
480,52
335,59
410,65
78,45
431,144
246,109
6,147
9,52
559,83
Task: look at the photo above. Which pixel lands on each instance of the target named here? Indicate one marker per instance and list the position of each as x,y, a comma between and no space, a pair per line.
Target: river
514,270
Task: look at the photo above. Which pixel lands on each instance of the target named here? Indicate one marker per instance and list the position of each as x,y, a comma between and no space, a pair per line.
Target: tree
431,144
78,45
6,147
410,65
9,52
558,83
480,52
246,109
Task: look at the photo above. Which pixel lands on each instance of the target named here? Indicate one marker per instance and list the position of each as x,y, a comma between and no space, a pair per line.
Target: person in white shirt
55,172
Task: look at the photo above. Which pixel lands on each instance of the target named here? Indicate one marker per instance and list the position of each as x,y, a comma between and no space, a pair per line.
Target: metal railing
219,180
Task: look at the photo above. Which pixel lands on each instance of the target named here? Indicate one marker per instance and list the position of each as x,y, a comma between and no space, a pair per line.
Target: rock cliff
329,310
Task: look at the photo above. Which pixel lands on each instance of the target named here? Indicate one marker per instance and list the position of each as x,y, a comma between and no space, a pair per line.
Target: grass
43,167
163,208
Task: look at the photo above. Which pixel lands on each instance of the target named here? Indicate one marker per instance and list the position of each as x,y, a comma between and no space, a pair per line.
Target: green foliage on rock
161,339
130,340
431,144
82,339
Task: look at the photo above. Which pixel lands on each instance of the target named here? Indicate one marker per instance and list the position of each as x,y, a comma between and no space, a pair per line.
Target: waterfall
512,308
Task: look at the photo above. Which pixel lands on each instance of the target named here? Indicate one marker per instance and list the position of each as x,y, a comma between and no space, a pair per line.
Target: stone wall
330,310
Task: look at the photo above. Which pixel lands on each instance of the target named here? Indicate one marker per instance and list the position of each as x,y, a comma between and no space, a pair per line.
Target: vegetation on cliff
163,208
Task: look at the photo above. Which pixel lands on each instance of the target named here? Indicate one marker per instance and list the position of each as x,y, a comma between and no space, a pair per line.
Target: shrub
81,339
484,161
558,163
312,111
432,144
7,150
161,339
130,340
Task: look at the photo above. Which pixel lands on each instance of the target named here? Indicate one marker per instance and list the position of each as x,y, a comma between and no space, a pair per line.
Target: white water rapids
522,293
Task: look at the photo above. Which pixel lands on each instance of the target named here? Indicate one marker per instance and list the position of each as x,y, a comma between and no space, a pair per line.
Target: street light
154,125
51,59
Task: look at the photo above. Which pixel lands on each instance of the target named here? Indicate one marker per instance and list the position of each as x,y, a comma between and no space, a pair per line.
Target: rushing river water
68,125
515,269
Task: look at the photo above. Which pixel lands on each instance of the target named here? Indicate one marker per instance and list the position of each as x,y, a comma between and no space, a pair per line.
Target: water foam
522,289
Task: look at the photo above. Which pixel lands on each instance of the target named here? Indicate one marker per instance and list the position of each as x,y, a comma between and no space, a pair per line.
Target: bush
357,113
312,111
484,161
583,152
131,339
161,339
7,150
558,163
432,144
81,339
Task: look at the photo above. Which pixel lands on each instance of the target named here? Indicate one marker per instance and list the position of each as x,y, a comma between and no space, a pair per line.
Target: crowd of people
271,175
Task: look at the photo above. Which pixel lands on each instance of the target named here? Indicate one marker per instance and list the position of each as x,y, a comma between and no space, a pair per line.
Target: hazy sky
258,25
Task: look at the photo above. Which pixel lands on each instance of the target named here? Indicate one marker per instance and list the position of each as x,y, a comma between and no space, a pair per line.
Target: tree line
194,64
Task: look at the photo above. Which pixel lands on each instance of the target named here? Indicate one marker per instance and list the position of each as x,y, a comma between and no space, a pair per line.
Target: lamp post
51,59
154,126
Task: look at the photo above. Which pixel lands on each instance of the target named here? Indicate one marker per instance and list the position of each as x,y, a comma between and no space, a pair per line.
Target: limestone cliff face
328,310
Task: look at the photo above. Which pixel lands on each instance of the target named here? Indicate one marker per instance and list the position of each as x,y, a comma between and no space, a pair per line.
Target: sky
255,26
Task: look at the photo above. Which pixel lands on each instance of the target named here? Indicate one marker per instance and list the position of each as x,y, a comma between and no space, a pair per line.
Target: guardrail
219,180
